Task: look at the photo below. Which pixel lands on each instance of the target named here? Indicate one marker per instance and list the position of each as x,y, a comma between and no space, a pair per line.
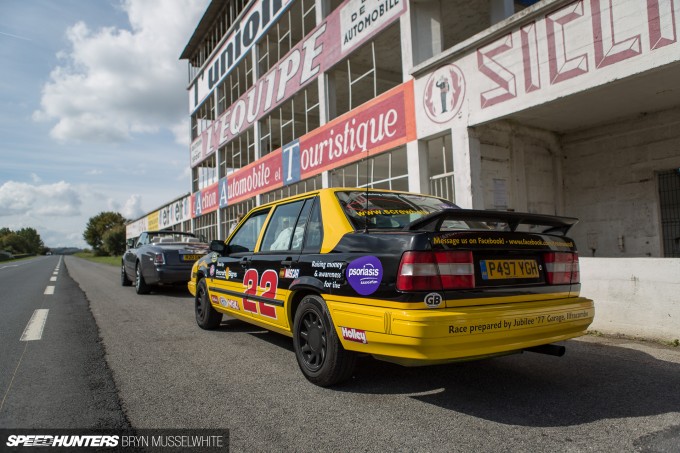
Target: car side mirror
130,243
219,247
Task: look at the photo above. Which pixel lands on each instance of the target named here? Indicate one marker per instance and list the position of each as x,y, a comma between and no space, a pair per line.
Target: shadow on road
592,382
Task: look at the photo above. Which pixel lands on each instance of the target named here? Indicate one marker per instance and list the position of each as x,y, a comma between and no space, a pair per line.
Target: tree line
105,233
25,241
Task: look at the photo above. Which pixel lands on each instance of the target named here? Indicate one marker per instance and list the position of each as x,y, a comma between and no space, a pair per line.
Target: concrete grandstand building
555,106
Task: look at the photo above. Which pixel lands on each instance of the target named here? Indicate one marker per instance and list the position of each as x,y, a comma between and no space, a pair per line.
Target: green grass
111,260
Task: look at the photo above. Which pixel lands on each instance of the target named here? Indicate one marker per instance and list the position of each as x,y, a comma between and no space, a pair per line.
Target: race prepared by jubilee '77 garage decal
407,278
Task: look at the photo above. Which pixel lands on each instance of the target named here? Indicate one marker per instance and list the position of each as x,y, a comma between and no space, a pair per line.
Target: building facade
555,106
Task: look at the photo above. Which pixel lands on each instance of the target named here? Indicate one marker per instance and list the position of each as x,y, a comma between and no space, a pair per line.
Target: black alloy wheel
318,350
206,316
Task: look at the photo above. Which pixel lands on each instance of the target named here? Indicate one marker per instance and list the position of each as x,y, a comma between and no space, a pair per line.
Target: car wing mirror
130,243
219,247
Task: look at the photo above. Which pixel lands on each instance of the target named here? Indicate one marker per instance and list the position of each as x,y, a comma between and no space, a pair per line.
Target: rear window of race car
394,211
388,210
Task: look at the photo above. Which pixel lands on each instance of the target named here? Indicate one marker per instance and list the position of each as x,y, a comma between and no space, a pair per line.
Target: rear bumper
169,275
430,336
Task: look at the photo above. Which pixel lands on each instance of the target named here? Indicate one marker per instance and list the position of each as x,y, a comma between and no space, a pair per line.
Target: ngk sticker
354,335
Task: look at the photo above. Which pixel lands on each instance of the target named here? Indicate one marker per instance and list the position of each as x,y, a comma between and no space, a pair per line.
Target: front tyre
318,350
124,280
206,316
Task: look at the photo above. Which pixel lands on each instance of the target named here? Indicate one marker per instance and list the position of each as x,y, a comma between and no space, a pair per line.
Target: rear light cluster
444,270
561,268
158,259
436,271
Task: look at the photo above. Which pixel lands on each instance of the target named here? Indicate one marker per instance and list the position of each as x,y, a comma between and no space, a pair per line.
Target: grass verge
110,260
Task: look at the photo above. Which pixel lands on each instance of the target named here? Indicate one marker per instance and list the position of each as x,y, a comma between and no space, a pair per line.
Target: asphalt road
603,395
59,380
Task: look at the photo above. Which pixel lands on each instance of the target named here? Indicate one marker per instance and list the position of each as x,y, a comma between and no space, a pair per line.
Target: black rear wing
509,220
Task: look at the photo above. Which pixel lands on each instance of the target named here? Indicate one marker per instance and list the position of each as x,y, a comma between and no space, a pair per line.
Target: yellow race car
404,277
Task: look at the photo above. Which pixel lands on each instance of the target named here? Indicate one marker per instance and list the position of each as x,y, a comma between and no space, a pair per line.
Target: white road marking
49,290
53,279
34,328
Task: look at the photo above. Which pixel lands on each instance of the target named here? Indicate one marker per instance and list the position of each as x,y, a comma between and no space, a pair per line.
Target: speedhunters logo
61,441
365,274
202,440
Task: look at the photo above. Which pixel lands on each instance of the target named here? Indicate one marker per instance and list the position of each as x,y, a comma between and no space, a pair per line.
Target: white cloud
59,199
35,178
132,209
114,83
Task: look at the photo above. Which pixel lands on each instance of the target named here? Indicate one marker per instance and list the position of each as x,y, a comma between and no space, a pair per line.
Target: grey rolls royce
160,258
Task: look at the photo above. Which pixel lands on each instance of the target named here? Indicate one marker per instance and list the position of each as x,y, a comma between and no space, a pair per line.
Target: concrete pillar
467,164
418,172
519,180
426,28
406,45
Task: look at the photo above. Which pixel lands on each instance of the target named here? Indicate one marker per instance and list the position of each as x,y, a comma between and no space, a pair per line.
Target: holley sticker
365,274
354,334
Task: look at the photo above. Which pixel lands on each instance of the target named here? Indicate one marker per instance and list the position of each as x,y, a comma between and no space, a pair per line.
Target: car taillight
561,268
435,271
456,269
158,259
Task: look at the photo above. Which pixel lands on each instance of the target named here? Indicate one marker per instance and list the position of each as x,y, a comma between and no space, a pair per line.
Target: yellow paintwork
422,336
408,333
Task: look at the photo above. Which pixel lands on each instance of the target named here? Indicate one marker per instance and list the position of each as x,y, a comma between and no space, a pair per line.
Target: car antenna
366,209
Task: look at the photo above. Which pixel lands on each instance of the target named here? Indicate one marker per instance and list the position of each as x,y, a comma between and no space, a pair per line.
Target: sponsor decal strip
266,300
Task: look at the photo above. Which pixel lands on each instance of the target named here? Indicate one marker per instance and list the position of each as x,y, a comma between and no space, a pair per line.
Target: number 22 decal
268,282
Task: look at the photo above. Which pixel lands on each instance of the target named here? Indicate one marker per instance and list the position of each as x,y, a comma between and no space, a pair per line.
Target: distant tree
34,243
114,241
14,243
97,226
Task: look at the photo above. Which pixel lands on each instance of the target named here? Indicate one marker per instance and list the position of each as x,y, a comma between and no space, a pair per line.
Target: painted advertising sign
205,200
571,49
174,213
134,229
384,123
245,34
152,220
381,124
350,25
256,178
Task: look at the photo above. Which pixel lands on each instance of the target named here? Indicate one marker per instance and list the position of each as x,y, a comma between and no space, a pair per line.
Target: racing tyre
140,285
318,350
206,316
124,280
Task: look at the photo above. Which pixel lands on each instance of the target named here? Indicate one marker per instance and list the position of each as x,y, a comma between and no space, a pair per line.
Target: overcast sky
93,111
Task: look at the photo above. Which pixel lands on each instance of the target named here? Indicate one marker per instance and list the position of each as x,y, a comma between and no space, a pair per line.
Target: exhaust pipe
549,349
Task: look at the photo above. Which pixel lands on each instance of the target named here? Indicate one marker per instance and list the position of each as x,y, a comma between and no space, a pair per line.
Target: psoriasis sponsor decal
520,322
353,334
365,274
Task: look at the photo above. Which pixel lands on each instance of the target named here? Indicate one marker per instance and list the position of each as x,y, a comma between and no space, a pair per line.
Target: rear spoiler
513,220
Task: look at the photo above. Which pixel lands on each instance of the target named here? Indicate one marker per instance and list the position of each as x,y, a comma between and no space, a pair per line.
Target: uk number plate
190,257
505,269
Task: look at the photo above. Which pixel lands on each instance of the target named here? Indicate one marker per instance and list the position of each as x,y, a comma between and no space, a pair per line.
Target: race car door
228,278
275,265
